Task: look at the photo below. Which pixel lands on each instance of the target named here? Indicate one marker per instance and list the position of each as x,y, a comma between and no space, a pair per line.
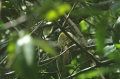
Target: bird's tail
67,57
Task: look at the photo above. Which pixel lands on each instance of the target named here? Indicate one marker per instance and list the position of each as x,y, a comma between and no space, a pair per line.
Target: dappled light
59,39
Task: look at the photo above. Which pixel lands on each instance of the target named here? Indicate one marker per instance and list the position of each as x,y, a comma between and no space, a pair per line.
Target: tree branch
103,63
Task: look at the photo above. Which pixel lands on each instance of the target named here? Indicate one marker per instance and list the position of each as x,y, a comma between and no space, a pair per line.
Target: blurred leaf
115,56
85,12
115,7
83,26
117,45
101,34
22,55
46,46
1,24
116,34
26,44
63,9
54,11
17,2
52,15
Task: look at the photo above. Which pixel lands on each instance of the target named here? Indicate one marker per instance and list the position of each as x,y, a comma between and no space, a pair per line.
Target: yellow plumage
64,42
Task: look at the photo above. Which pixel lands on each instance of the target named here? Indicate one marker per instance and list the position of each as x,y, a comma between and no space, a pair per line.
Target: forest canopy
59,39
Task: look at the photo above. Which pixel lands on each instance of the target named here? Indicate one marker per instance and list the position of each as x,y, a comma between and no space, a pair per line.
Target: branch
15,22
103,5
37,27
48,73
47,61
103,63
82,71
78,31
68,15
58,70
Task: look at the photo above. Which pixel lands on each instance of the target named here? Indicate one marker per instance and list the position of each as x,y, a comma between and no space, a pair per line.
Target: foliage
29,31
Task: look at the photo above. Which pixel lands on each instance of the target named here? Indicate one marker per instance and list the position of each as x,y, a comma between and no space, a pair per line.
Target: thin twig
78,31
47,61
67,16
79,66
100,73
37,27
103,63
58,70
5,58
29,10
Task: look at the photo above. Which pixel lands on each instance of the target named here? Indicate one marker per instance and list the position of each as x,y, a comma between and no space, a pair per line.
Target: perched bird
64,42
55,34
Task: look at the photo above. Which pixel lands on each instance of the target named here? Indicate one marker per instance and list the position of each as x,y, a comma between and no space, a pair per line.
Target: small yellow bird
64,42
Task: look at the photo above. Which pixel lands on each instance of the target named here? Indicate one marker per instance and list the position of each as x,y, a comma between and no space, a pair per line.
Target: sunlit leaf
26,44
63,9
83,25
22,55
117,45
52,15
57,11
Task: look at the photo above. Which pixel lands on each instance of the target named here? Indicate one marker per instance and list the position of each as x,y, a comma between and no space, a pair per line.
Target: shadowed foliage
59,39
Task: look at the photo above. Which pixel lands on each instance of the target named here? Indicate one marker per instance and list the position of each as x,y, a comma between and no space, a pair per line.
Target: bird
64,42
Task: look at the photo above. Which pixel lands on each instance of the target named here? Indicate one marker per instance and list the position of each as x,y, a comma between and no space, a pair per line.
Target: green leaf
26,44
1,24
115,7
83,26
52,15
101,34
57,11
109,49
116,34
22,56
85,12
63,9
115,56
46,46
